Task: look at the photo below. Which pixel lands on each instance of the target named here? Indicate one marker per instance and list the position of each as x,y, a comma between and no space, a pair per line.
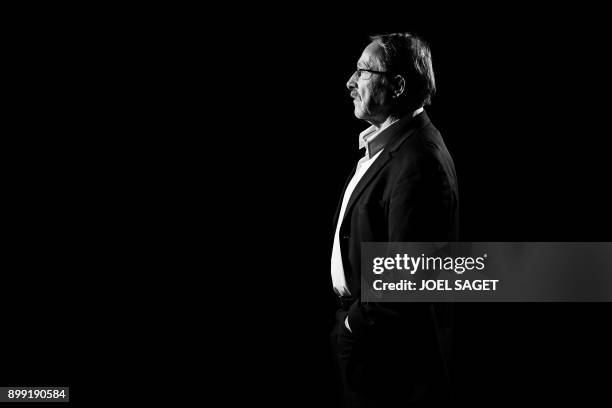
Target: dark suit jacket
408,194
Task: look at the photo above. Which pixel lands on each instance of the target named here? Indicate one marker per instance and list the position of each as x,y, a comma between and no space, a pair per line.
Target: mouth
355,97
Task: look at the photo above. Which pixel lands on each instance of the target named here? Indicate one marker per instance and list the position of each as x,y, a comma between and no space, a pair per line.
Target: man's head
394,76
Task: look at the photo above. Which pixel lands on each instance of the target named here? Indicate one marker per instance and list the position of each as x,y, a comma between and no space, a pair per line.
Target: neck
392,117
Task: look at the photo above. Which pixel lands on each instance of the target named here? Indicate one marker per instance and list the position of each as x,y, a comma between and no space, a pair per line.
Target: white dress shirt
337,269
374,145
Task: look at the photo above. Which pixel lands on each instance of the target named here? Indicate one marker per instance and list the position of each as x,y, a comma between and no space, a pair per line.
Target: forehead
371,56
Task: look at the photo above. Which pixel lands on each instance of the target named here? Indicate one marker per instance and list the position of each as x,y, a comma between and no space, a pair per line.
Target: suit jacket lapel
369,175
395,141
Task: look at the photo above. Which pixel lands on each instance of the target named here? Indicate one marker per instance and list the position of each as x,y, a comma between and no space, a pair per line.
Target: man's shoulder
418,144
422,152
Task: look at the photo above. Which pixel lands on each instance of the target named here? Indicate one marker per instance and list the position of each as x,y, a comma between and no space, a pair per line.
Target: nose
351,82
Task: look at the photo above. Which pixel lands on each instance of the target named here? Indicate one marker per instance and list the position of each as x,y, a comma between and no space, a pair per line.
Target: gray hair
407,55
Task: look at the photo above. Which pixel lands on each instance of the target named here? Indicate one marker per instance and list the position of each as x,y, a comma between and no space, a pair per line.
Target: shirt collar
375,139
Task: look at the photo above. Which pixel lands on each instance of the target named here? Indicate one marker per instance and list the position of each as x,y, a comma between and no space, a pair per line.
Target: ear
399,86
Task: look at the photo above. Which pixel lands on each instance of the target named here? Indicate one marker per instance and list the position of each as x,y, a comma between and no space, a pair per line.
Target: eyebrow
367,64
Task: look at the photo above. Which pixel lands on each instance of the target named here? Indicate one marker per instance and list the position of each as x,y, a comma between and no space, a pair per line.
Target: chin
359,113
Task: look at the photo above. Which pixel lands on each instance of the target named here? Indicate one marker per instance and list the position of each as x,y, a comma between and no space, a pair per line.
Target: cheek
370,98
364,101
377,96
365,95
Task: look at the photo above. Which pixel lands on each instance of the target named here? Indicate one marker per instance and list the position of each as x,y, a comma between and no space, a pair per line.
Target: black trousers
396,363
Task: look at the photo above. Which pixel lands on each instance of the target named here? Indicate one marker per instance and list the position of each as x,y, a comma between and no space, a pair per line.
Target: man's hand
347,325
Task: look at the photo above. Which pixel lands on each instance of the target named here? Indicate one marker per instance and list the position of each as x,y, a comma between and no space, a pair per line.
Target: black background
180,121
520,105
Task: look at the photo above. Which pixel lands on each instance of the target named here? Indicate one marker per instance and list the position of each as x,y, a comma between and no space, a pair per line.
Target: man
404,189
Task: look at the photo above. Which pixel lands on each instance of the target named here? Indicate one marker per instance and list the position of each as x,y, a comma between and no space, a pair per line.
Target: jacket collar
374,139
404,131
